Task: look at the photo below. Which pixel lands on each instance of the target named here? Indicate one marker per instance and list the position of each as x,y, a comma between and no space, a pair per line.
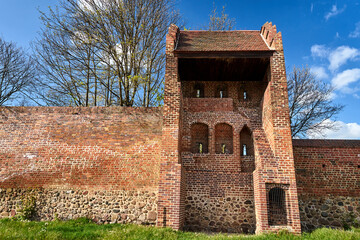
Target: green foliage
84,228
349,221
220,22
28,207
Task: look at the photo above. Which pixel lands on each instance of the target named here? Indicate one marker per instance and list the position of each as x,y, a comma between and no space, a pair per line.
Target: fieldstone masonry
101,206
217,157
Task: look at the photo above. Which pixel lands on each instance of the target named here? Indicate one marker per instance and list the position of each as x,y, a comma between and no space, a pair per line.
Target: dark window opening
246,142
198,90
221,92
223,138
199,138
277,207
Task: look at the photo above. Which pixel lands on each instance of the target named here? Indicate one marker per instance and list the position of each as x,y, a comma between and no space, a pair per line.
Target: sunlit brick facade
217,157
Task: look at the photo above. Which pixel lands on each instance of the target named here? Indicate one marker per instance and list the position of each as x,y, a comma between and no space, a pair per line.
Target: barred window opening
277,207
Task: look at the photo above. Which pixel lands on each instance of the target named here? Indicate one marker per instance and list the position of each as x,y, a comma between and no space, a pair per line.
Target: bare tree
222,22
17,71
110,51
67,62
310,103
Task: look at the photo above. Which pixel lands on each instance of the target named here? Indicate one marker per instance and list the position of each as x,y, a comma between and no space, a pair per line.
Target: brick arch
223,138
199,135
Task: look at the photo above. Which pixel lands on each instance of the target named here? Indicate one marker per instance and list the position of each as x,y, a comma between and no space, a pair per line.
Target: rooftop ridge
222,41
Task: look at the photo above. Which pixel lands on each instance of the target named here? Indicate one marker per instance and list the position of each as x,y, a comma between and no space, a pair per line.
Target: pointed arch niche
247,150
199,138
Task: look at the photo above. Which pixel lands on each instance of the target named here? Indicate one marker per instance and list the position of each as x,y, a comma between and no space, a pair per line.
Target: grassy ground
84,229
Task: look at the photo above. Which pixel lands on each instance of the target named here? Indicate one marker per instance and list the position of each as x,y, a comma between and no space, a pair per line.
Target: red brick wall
273,143
328,180
208,104
80,148
327,167
170,205
219,187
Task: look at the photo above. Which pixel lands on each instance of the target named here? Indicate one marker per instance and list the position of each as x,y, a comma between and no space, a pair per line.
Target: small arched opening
199,138
198,91
246,142
223,138
277,206
221,91
244,95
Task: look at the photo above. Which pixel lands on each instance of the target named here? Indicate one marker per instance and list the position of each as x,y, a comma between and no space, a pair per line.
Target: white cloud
356,32
333,12
319,51
343,79
341,131
90,5
312,7
319,72
341,55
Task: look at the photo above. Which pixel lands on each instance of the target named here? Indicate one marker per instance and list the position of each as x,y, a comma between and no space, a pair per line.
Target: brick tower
227,160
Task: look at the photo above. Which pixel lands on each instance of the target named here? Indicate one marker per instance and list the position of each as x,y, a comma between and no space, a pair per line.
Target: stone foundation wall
219,214
118,206
328,211
219,202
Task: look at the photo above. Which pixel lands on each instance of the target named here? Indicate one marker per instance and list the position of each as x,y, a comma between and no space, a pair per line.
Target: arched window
243,95
198,90
199,138
246,142
277,206
223,138
221,91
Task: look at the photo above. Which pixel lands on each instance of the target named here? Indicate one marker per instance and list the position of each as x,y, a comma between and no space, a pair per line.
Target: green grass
84,229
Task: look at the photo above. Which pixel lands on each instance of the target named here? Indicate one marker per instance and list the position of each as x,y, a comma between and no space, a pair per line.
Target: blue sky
325,35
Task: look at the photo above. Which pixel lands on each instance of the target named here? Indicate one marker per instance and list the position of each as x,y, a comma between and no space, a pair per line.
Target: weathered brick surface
171,197
89,149
273,145
81,148
183,165
328,180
